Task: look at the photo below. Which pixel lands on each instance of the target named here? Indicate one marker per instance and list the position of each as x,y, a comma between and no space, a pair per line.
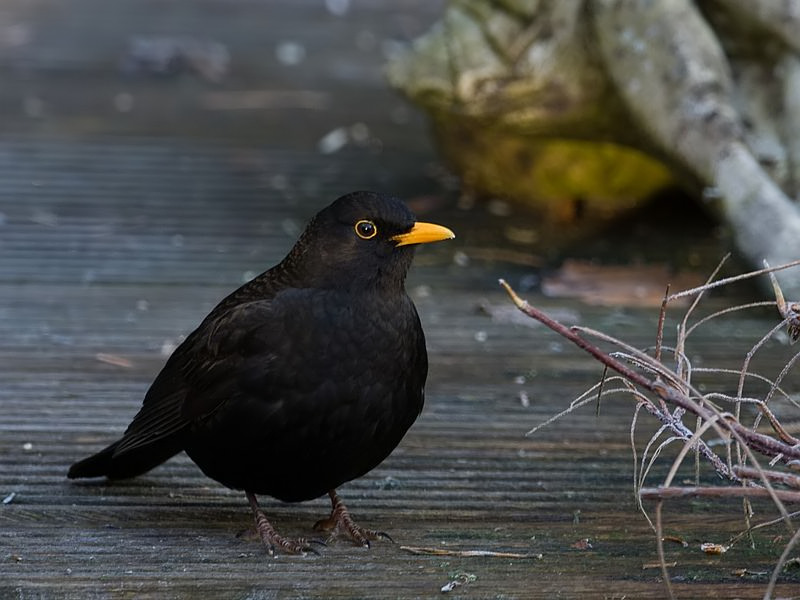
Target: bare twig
726,311
768,523
728,280
662,315
779,476
729,491
789,311
467,553
763,444
660,547
654,387
773,580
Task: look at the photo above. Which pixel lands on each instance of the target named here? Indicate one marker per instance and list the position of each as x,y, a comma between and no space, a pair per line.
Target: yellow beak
422,233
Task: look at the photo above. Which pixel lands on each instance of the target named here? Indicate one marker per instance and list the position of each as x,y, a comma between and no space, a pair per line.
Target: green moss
568,181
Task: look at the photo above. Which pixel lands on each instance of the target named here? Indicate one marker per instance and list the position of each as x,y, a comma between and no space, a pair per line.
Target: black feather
304,378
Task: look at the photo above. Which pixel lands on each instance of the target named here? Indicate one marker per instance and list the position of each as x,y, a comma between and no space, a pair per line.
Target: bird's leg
272,539
340,520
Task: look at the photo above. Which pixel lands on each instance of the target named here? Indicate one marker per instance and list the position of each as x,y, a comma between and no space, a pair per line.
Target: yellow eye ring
366,230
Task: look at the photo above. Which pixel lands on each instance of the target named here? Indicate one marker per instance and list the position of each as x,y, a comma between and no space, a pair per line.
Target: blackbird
303,379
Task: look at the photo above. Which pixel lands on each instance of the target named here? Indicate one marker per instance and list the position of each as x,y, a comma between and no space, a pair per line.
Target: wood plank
118,233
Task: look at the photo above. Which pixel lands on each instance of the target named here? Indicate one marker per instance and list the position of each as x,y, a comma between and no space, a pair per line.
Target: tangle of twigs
668,394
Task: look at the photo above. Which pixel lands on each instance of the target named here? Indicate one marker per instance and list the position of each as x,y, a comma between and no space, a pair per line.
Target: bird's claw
340,521
382,535
303,546
273,541
359,535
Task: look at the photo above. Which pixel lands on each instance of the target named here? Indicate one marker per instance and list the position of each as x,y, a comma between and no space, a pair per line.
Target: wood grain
118,233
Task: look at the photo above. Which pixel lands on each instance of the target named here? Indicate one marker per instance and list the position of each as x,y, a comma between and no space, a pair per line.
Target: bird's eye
366,230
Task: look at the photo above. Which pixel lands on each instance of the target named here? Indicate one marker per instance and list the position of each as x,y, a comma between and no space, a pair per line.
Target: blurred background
171,130
149,145
175,131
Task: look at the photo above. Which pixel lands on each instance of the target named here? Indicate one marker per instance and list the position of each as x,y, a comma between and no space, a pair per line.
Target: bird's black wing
196,380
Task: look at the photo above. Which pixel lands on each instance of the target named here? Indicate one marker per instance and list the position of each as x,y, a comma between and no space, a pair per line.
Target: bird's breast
337,384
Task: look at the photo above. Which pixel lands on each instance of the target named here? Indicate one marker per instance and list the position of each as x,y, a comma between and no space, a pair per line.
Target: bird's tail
129,463
96,465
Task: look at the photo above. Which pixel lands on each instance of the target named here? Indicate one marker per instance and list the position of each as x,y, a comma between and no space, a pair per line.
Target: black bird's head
361,240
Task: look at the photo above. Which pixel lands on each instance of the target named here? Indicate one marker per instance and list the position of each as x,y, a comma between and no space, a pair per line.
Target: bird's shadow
136,502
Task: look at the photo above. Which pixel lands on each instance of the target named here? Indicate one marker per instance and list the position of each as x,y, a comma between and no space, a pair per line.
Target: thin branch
696,437
773,580
779,476
727,280
735,539
732,491
662,315
660,547
466,553
654,386
764,444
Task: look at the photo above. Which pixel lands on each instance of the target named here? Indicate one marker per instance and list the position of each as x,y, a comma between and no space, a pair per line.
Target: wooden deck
119,230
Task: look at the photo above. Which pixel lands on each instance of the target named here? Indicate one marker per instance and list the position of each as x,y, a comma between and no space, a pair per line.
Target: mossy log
584,108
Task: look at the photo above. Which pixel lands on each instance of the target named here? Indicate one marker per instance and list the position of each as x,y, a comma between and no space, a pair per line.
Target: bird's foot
340,521
275,542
